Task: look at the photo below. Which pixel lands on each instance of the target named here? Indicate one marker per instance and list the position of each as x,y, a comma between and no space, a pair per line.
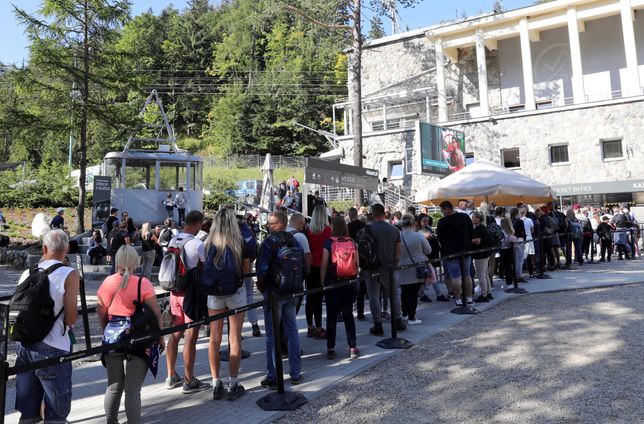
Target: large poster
101,209
442,150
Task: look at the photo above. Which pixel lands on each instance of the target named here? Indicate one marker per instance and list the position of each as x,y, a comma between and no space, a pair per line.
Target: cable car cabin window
193,176
139,174
172,175
113,170
199,173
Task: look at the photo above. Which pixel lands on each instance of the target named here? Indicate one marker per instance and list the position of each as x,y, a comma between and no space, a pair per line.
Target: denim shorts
453,267
51,385
234,301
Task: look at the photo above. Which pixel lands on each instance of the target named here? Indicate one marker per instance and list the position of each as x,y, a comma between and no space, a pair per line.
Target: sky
13,44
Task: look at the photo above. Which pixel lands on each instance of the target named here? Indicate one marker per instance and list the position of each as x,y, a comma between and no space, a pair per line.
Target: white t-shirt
58,337
529,227
181,200
193,247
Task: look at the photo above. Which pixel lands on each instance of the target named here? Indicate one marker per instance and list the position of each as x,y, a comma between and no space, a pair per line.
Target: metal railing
253,161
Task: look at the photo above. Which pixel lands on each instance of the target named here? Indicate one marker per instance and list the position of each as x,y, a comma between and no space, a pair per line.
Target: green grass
237,174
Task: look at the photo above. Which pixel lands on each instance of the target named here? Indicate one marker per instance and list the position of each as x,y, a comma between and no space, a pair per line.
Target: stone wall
581,128
15,258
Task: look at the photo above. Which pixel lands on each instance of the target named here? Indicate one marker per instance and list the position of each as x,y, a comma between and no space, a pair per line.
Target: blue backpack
250,242
288,270
224,281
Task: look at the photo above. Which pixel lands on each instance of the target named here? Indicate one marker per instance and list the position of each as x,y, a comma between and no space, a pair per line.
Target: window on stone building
510,158
559,153
396,170
612,149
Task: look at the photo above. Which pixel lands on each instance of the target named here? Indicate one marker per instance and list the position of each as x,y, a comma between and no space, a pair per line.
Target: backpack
550,225
367,249
165,236
343,257
288,270
561,222
224,281
574,230
31,308
494,234
250,242
173,273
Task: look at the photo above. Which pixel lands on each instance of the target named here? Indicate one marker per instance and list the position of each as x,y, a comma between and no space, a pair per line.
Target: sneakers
414,322
296,380
377,329
330,354
218,391
310,332
320,334
354,353
442,298
469,301
361,318
256,331
458,302
425,298
489,297
400,325
235,391
173,382
385,315
195,386
269,383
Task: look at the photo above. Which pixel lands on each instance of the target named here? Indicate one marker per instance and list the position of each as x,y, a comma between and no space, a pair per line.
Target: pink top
316,243
123,301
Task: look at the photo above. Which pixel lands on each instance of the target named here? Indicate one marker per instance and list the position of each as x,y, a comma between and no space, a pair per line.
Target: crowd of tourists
394,260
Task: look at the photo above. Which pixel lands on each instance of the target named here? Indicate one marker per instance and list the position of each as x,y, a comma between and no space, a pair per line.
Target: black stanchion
224,355
542,254
464,309
83,299
394,342
515,286
4,365
281,400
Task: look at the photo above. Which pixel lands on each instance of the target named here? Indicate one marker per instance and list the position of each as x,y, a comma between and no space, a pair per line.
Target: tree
349,20
72,48
377,29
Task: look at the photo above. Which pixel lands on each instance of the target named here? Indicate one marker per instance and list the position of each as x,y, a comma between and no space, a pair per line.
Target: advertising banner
101,209
442,150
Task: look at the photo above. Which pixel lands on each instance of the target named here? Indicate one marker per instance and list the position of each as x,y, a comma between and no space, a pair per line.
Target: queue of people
327,253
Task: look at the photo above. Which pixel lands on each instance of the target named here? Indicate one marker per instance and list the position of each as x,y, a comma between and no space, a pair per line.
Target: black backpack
31,308
367,249
288,271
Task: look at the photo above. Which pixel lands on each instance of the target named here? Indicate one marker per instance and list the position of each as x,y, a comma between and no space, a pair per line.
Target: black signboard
323,172
101,209
4,331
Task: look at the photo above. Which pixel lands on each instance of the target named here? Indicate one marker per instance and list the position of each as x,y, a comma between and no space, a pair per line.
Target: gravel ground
569,357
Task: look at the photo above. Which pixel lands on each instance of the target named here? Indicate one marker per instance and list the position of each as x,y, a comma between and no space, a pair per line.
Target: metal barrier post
4,365
394,342
282,400
464,309
83,299
515,284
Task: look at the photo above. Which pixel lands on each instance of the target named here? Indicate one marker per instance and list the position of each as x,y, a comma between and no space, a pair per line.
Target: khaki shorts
234,301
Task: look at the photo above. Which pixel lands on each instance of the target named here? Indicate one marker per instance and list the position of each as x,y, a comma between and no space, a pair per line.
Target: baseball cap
59,210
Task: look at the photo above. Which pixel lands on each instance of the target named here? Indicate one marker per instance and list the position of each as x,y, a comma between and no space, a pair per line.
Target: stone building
554,90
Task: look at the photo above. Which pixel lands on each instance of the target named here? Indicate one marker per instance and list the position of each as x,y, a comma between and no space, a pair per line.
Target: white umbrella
267,200
485,181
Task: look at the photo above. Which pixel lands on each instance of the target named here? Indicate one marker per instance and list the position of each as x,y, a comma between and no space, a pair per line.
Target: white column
631,87
345,122
428,110
575,57
384,117
526,60
350,121
334,131
440,81
484,103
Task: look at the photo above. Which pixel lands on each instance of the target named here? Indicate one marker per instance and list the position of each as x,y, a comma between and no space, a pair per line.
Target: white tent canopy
485,181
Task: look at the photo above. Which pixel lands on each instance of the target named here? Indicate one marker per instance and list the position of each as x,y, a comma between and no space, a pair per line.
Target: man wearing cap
58,221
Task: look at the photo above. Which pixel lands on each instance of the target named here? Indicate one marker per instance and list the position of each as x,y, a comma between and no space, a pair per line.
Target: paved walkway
319,373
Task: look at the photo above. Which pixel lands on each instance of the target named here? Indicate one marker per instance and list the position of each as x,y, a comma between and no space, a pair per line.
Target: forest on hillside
233,78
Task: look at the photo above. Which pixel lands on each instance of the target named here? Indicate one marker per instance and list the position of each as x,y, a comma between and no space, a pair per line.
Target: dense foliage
234,78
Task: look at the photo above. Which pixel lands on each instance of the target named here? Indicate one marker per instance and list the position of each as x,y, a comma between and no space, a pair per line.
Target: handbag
422,271
117,327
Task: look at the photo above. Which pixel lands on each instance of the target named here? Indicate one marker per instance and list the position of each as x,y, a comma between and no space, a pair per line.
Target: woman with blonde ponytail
125,369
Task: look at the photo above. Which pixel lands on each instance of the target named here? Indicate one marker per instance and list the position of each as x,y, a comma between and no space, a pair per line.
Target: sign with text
101,208
442,150
323,172
632,186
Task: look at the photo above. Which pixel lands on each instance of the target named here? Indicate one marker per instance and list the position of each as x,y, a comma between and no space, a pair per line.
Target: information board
323,172
101,204
442,150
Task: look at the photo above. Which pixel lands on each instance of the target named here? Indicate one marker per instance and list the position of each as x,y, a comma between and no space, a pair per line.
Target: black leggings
409,300
340,301
313,307
507,256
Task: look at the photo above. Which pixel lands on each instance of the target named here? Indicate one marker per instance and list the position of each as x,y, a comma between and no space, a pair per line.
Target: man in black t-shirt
455,234
112,220
355,225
